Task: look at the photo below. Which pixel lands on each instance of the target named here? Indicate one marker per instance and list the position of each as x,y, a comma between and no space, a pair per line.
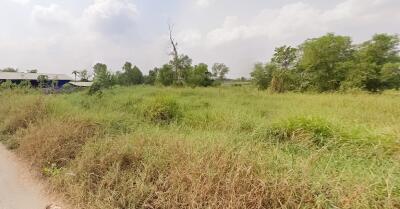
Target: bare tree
174,44
175,62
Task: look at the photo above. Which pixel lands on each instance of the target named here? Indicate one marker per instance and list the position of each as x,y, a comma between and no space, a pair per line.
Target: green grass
226,147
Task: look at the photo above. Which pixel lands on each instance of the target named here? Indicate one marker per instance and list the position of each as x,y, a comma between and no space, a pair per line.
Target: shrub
162,110
314,129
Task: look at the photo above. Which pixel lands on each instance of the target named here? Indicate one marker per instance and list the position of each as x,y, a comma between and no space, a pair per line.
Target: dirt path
18,190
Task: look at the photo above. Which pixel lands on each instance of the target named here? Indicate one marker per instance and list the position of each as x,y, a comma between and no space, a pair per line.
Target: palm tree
75,73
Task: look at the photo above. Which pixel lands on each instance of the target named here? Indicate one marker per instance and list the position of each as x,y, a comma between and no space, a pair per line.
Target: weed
162,110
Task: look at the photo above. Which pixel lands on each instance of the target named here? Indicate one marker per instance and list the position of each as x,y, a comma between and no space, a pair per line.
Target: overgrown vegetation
231,147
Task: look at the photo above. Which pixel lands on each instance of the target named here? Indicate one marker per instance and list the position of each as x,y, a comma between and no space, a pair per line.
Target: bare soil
19,189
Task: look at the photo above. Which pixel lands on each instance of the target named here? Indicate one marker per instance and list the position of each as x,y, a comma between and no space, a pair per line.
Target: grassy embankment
228,147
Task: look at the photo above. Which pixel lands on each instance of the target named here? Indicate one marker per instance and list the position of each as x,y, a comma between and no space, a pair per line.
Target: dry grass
55,142
20,117
170,173
226,148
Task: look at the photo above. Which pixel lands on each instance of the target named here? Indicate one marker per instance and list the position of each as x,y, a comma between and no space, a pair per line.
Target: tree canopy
331,63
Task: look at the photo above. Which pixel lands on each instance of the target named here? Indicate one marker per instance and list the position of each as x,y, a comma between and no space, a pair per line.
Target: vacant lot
228,147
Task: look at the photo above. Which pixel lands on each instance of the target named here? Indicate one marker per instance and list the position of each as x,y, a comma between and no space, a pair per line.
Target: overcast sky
59,36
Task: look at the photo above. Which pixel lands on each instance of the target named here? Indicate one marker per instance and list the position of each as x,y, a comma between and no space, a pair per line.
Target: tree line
332,63
185,74
179,71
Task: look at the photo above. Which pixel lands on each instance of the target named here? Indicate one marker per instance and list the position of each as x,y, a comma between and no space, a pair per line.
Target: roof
81,84
31,76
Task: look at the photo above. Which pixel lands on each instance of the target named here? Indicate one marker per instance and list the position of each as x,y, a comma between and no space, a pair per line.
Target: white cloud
110,8
23,2
301,19
235,32
52,15
189,37
203,3
281,23
111,16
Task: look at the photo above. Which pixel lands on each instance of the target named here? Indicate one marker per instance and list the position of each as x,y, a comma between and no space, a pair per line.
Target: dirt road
18,190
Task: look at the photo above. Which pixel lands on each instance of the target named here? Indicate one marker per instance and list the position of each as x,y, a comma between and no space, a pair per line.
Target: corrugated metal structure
81,84
17,77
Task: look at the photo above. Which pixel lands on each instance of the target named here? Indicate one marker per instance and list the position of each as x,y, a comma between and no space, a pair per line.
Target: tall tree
284,59
369,62
324,61
131,75
181,64
102,76
219,70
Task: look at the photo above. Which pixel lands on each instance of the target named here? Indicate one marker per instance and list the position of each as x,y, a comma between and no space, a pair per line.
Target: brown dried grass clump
22,117
156,173
56,142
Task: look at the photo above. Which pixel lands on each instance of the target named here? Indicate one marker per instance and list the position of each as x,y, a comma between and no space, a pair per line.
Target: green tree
284,59
219,70
369,62
200,76
181,66
262,75
131,75
151,78
390,75
102,78
166,75
324,61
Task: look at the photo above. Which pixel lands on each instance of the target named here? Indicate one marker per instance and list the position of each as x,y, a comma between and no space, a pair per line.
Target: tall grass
227,147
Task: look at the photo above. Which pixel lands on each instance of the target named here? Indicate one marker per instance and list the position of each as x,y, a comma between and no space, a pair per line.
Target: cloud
75,34
52,15
111,16
203,3
190,37
301,19
23,2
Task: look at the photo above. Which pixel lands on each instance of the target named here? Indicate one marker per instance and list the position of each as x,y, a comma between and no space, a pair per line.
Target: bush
162,110
314,129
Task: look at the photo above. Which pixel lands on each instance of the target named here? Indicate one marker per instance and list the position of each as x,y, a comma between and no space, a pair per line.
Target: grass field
227,147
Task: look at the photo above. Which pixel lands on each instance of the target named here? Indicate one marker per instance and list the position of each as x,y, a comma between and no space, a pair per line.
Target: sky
58,36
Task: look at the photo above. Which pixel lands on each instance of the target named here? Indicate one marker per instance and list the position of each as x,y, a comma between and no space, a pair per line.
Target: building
81,84
58,80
